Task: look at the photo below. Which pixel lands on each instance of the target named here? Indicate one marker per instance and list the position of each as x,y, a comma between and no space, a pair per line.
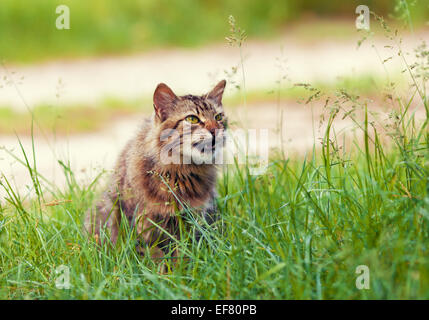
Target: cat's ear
163,99
217,92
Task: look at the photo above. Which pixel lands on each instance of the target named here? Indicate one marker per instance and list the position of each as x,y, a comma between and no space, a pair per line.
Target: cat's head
191,128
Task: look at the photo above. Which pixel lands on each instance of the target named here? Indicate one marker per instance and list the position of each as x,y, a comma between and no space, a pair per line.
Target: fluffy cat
182,128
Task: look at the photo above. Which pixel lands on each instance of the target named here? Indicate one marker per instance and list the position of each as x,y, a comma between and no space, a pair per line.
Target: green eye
192,119
219,117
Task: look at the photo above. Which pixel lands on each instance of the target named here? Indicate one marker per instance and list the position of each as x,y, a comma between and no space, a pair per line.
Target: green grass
63,120
299,231
28,32
99,27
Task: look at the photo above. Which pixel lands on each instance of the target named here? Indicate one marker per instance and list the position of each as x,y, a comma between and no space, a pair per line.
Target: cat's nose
211,127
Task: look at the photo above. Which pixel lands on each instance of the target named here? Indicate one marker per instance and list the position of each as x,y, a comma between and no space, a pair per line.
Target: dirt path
88,81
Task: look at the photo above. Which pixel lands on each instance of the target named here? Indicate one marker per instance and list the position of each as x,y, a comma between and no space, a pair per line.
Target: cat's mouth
202,146
205,144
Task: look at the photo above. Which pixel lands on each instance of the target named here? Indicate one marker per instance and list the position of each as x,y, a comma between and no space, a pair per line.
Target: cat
147,188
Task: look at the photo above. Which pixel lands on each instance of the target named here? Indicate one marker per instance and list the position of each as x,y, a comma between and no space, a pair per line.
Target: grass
68,119
100,27
110,27
299,231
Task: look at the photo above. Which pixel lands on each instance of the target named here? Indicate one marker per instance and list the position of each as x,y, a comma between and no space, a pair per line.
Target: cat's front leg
104,216
158,232
210,216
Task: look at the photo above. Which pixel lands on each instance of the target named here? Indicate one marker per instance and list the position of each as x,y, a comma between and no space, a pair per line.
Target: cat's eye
219,117
192,119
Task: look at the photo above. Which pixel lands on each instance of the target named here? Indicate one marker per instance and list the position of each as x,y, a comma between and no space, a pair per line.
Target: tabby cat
146,188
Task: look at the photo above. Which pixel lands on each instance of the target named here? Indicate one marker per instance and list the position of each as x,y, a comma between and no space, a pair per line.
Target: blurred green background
28,33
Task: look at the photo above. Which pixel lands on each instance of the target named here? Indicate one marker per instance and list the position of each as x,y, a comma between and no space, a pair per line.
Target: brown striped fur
141,184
